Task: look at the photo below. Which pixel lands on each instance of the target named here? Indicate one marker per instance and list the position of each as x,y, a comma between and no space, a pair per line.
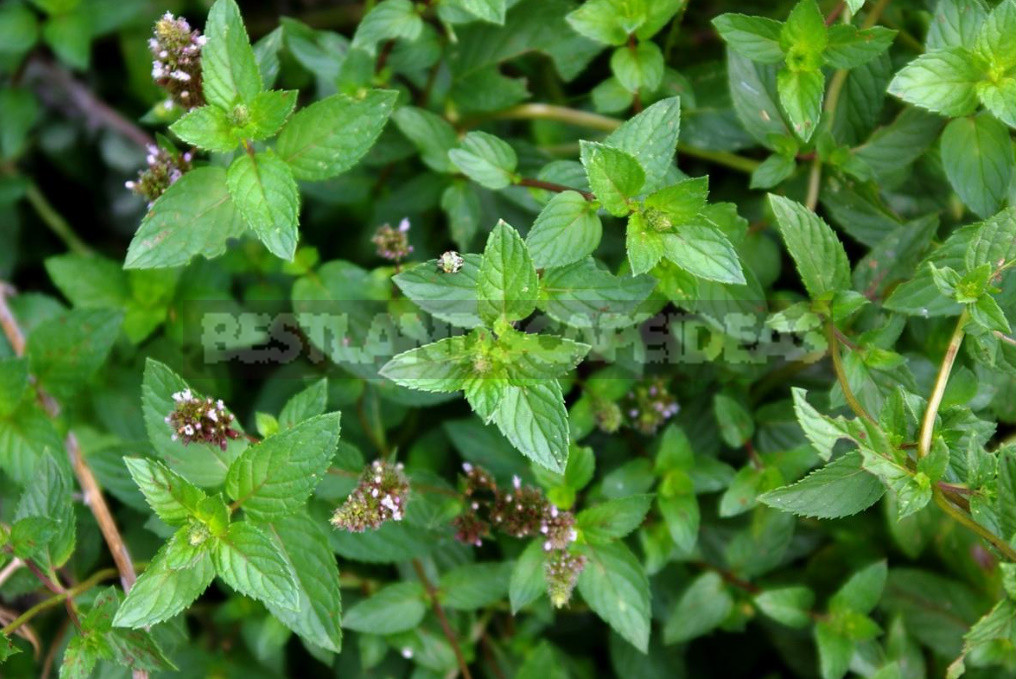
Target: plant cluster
529,338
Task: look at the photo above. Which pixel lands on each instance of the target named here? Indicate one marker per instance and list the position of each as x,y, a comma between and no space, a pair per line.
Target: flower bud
380,496
561,572
164,168
649,405
393,244
450,262
176,50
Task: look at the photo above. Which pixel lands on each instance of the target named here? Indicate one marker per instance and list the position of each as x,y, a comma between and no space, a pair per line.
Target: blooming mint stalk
164,169
649,405
393,244
379,497
176,50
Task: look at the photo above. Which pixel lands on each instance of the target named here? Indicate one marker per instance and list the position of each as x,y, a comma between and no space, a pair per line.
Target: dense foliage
508,338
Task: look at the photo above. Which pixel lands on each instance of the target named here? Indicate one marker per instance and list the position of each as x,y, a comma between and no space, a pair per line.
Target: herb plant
508,338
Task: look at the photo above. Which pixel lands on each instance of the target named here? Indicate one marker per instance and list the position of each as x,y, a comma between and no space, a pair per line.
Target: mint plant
495,338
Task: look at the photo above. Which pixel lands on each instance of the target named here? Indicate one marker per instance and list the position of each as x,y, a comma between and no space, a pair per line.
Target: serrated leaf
801,94
614,176
613,519
229,71
330,136
170,496
817,252
450,297
607,21
89,281
487,160
392,609
388,21
790,606
850,47
475,585
442,366
704,252
566,230
265,194
310,402
703,606
821,431
943,81
527,582
841,488
48,496
862,591
207,127
615,586
651,138
533,418
582,295
276,476
754,37
639,68
955,23
195,216
506,284
977,156
432,135
249,562
65,352
164,590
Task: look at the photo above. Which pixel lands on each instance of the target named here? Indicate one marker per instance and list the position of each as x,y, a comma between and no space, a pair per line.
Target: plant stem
935,400
442,618
551,186
56,223
595,121
58,589
961,517
841,375
59,598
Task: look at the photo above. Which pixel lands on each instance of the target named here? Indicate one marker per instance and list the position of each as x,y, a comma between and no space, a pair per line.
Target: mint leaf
506,285
943,82
527,583
491,11
450,297
607,21
167,587
229,71
195,216
306,404
207,127
614,176
817,252
821,431
841,488
442,366
955,23
787,605
703,606
850,47
999,98
249,562
276,476
994,40
65,352
487,160
638,68
978,158
584,295
801,95
615,586
566,230
651,138
303,543
705,252
431,134
170,496
387,21
392,609
330,136
266,195
613,519
756,38
475,585
533,418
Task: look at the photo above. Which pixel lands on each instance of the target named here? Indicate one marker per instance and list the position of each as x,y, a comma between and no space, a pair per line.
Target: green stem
961,517
595,121
56,223
56,600
841,375
935,400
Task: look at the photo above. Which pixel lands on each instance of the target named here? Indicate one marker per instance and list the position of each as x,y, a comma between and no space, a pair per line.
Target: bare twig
442,619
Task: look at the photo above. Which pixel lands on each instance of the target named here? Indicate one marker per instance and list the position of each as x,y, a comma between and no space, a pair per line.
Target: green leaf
276,476
527,582
736,423
615,586
506,285
841,488
450,297
167,587
266,195
249,562
531,357
638,68
475,585
943,82
862,591
195,216
583,295
1006,501
607,521
202,464
994,40
19,111
756,38
207,127
955,23
533,418
849,47
790,606
48,497
801,95
821,431
19,30
229,71
680,203
304,544
680,509
999,98
804,35
442,366
614,176
566,231
388,20
834,651
607,21
702,607
13,384
310,402
977,156
991,241
170,496
491,11
704,252
486,159
432,135
392,609
89,281
817,252
330,136
651,138
755,97
65,352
